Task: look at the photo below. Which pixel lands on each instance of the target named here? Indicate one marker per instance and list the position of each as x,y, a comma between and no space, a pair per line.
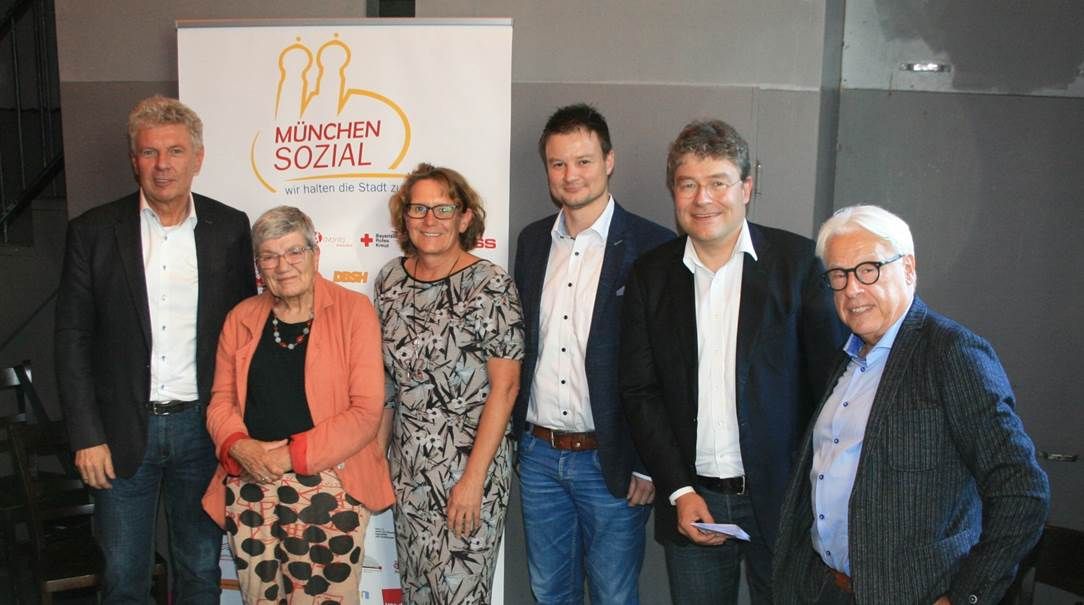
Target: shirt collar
854,344
601,226
145,208
744,245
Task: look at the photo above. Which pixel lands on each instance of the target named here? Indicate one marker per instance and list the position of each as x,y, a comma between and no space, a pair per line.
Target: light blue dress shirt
837,446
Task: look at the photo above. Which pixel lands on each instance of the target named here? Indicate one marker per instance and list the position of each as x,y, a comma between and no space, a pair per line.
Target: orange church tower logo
324,129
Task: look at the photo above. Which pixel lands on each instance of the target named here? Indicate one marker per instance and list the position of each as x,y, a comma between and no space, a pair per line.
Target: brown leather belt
730,485
575,442
165,408
842,580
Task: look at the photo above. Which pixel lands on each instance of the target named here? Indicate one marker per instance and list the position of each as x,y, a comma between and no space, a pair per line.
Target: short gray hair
874,219
708,139
281,221
164,111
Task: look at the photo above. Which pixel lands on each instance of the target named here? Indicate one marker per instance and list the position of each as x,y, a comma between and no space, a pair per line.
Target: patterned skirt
300,539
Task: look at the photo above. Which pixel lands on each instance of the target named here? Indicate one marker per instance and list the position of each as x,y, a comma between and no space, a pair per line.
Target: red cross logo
366,240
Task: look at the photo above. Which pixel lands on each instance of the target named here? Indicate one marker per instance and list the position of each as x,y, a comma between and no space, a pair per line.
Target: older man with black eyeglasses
916,482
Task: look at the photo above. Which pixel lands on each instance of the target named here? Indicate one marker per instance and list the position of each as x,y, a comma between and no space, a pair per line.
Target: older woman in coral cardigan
296,404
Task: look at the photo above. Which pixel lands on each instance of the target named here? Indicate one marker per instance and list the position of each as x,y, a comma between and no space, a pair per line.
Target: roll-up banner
329,116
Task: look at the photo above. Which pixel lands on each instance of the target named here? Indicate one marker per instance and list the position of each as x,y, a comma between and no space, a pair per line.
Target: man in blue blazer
727,338
584,508
916,483
146,285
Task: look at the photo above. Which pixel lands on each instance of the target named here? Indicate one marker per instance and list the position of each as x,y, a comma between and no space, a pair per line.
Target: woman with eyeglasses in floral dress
453,342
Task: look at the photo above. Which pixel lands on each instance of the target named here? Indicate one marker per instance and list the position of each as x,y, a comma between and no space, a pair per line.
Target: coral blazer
344,385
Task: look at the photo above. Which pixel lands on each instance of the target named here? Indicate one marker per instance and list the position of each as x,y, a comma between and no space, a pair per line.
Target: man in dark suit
726,340
146,284
584,506
916,483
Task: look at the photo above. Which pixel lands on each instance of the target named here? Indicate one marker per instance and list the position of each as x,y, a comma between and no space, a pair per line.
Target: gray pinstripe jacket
948,496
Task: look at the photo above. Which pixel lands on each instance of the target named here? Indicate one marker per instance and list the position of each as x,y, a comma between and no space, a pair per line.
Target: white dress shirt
718,299
169,265
559,398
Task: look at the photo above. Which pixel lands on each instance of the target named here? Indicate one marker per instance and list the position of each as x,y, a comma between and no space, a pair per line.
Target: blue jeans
710,574
574,524
180,460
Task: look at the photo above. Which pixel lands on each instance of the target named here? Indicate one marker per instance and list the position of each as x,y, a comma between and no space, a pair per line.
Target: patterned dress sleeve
501,317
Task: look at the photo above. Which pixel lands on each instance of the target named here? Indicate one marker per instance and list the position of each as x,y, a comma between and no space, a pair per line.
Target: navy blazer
103,331
629,237
788,336
948,496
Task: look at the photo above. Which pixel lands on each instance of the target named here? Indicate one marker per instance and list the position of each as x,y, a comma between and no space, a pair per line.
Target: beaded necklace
297,341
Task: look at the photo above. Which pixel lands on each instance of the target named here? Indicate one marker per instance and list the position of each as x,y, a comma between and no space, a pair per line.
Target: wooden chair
17,380
63,553
1058,561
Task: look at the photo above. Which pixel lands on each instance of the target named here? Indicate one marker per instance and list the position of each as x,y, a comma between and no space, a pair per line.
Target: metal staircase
31,153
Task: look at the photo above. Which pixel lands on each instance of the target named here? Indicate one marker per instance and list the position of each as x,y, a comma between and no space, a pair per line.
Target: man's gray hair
874,219
281,221
708,139
164,111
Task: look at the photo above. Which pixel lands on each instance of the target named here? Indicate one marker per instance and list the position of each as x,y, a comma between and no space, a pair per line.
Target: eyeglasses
688,189
441,211
292,256
866,273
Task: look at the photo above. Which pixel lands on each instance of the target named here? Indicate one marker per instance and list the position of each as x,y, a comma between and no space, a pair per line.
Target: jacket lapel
754,297
204,235
896,367
612,262
130,248
251,328
681,306
535,258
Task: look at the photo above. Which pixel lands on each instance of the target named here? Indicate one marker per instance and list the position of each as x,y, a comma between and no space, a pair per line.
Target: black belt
730,485
165,408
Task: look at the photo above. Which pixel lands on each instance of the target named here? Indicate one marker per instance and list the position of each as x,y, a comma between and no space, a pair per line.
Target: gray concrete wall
984,161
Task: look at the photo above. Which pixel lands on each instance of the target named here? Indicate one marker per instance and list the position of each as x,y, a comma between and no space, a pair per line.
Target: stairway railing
31,151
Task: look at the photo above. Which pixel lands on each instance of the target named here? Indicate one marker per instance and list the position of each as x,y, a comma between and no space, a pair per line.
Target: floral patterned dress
438,336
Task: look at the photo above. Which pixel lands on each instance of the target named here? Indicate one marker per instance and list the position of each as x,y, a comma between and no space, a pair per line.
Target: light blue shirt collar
854,344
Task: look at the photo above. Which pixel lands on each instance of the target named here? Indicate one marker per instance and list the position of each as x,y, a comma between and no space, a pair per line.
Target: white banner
329,116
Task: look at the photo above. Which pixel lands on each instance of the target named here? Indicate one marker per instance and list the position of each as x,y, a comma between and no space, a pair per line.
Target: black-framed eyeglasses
441,211
270,260
866,273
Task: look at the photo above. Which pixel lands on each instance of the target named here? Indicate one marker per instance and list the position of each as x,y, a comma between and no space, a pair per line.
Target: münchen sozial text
325,145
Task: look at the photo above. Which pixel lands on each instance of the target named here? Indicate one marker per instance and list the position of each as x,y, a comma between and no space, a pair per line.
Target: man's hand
95,465
641,492
258,460
691,508
944,600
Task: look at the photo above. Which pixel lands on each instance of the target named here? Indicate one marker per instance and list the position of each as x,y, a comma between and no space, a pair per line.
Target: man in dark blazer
726,343
583,508
146,284
916,483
